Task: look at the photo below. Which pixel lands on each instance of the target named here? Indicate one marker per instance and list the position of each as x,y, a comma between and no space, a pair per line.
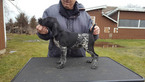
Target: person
72,17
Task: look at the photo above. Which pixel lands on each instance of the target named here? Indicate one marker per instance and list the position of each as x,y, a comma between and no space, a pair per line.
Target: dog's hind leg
94,60
62,57
94,56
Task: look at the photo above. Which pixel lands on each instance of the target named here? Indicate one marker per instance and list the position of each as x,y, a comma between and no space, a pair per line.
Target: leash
93,28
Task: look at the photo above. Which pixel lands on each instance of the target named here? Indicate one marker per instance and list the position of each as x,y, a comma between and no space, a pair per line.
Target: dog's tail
91,32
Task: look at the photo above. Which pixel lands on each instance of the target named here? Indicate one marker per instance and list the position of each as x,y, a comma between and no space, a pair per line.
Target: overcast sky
36,7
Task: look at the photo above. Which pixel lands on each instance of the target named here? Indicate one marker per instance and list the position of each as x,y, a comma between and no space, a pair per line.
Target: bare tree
22,23
33,22
11,9
6,9
9,25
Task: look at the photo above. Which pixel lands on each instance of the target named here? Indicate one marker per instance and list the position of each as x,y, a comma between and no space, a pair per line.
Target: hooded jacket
76,20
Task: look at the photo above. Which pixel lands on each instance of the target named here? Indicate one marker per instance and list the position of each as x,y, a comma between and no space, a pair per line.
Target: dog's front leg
62,57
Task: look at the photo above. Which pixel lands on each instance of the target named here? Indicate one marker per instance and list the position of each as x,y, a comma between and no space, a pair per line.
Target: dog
65,40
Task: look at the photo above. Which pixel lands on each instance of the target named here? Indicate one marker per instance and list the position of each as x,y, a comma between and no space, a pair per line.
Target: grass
27,46
10,64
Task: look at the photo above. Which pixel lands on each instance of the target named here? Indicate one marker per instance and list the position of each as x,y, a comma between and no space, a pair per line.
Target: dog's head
51,23
48,22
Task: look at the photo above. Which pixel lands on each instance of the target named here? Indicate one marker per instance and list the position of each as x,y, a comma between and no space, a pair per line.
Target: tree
10,7
9,25
33,22
22,22
7,10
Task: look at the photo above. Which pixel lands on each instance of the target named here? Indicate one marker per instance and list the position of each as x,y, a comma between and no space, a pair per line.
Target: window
142,23
127,23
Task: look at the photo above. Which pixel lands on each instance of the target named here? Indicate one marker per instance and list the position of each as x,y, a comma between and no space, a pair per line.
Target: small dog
65,40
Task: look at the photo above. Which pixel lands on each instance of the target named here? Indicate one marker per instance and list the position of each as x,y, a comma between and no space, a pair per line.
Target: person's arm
42,31
96,32
96,28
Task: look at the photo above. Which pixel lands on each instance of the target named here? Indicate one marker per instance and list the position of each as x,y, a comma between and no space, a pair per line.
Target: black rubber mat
76,69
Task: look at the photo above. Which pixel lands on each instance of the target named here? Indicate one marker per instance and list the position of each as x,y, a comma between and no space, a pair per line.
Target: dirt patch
107,45
32,40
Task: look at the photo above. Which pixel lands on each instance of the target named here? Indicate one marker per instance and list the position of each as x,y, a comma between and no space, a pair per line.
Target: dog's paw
58,62
89,61
94,64
60,67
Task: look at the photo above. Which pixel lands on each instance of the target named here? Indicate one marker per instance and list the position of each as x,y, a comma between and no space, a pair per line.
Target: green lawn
27,46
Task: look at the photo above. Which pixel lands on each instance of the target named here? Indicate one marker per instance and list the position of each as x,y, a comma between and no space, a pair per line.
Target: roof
96,8
109,10
126,9
109,17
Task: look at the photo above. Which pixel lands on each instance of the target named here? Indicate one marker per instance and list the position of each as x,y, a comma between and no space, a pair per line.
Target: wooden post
2,33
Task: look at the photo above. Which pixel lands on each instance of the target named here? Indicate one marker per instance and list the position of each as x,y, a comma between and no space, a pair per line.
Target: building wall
131,33
132,15
2,36
103,22
123,33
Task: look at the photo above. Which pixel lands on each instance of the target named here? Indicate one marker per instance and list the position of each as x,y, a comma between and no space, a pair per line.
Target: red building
2,30
119,23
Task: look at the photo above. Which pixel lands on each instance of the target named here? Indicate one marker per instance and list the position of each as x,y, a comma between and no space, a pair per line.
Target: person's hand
96,30
41,29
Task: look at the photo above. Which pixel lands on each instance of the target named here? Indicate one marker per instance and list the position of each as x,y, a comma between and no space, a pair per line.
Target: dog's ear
40,21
